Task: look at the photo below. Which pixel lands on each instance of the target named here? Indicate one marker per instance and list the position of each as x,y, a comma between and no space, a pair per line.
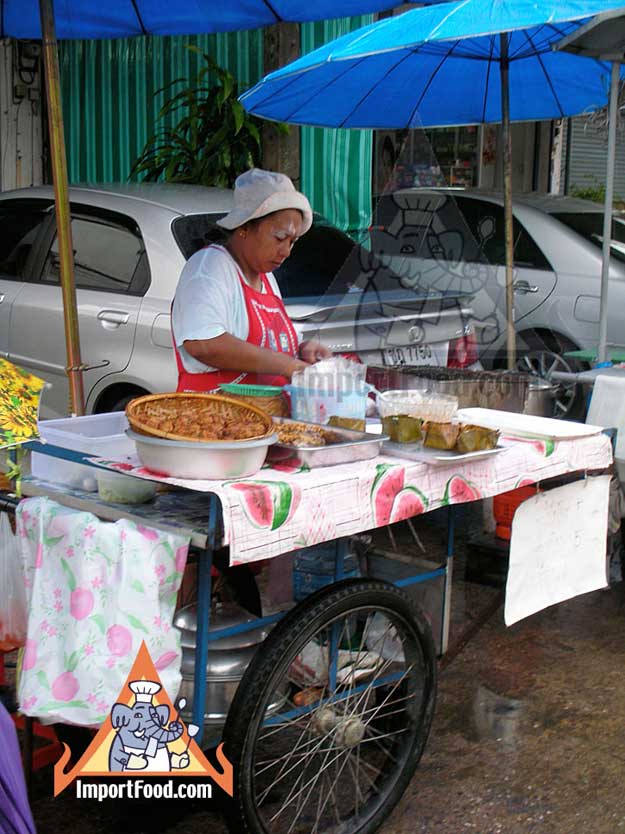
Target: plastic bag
331,388
13,609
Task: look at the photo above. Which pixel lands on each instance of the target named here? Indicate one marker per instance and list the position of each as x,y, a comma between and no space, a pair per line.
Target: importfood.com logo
143,738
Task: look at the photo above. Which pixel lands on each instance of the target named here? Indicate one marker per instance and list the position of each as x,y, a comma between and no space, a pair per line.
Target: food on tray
459,437
304,434
352,423
402,428
440,435
476,439
199,417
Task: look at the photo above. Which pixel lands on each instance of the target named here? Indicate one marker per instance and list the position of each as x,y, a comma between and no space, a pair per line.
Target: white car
130,244
453,240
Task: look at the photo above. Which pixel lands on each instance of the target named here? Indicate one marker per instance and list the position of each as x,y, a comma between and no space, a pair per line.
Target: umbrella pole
607,213
61,197
504,68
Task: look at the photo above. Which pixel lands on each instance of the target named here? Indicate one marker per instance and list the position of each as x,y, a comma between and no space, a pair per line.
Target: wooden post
281,152
504,66
61,196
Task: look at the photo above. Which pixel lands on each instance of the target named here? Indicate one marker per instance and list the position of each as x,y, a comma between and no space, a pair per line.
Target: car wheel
540,353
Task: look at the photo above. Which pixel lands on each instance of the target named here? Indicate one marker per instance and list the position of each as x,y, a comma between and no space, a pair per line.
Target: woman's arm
228,353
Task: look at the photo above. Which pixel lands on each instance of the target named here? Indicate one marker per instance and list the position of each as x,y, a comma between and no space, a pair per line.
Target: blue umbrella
454,63
125,18
68,19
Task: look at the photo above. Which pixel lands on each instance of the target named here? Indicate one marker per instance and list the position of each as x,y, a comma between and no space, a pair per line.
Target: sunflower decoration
19,404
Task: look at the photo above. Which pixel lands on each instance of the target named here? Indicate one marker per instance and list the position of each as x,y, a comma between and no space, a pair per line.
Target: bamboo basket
136,414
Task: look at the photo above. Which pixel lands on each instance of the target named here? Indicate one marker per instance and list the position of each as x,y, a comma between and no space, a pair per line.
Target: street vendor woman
229,322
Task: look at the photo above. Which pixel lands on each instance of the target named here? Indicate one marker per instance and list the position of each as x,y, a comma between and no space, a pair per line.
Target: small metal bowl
213,461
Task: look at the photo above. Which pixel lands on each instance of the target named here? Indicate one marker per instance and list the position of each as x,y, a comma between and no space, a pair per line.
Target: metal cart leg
203,619
451,529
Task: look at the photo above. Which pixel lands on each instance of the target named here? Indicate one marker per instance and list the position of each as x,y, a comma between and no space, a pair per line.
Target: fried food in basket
200,417
476,439
303,434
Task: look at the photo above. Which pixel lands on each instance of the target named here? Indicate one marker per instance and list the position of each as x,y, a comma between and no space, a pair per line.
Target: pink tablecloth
282,509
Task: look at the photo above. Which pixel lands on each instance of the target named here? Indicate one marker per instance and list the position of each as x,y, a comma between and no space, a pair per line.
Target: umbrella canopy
438,66
604,37
450,64
125,18
68,19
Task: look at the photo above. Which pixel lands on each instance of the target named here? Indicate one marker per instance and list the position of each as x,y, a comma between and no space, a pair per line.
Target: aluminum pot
197,460
539,398
228,658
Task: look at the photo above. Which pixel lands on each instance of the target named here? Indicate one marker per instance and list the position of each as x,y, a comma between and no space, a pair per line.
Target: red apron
269,327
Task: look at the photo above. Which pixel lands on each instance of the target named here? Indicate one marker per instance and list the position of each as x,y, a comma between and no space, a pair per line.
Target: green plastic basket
251,390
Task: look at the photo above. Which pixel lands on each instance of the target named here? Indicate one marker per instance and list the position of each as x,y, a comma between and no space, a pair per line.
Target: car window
449,229
195,231
590,226
313,268
20,225
485,222
107,256
317,264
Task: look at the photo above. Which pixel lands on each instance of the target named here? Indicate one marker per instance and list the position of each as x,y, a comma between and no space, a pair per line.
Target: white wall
21,147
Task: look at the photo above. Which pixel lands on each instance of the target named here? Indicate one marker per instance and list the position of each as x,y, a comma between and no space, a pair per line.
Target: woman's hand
311,351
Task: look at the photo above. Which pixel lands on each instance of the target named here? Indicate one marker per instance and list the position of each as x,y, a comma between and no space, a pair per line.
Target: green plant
214,139
595,193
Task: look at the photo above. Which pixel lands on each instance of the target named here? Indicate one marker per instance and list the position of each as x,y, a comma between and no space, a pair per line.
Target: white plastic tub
100,435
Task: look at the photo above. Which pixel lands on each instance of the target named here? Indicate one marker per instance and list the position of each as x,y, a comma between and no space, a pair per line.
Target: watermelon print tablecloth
285,508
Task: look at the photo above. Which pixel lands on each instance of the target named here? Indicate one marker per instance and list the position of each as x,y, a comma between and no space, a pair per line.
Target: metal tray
353,446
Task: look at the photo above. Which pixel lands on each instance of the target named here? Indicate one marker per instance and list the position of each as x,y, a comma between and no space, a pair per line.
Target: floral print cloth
19,404
95,591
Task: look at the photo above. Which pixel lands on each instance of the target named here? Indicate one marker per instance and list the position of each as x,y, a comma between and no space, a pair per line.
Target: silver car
453,240
130,244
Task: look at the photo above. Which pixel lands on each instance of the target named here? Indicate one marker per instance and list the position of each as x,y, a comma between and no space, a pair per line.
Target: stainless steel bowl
228,658
214,460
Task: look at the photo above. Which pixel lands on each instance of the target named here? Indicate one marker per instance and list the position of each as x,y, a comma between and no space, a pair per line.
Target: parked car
453,240
130,244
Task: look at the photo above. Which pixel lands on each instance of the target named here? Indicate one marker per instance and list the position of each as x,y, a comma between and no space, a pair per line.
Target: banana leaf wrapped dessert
402,428
441,435
476,439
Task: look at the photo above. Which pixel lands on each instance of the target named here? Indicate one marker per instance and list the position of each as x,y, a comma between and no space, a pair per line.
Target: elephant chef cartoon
142,735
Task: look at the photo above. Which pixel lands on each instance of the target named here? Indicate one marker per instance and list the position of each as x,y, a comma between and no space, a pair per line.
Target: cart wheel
331,717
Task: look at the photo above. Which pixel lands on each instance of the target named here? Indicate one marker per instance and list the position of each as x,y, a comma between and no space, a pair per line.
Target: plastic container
316,405
505,505
268,397
99,435
124,489
313,568
439,408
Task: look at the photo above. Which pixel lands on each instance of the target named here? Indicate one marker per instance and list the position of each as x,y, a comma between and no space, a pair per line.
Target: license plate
424,354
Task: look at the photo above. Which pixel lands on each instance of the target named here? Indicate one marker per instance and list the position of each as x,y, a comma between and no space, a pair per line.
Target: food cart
333,712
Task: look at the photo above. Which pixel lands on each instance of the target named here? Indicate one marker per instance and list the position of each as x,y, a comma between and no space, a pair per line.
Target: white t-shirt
209,301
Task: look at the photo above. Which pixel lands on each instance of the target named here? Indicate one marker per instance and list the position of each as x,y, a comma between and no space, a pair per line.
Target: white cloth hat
258,193
144,690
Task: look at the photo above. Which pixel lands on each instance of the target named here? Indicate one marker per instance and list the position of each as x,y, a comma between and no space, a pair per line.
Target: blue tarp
125,18
439,66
